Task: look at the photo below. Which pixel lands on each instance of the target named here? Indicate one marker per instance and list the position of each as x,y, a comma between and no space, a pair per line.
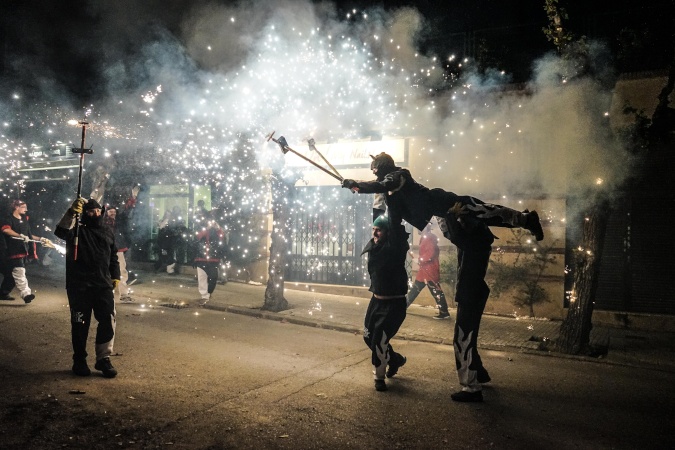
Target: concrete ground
225,377
343,308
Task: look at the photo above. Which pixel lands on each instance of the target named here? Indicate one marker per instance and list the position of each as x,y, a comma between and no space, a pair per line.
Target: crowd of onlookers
204,247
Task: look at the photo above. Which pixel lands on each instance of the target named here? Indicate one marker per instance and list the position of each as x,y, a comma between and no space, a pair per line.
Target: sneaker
80,368
126,299
29,298
380,385
106,367
533,225
442,316
483,376
203,302
6,297
393,368
466,396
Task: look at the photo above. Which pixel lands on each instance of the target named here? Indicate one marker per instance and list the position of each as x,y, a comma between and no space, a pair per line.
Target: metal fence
329,231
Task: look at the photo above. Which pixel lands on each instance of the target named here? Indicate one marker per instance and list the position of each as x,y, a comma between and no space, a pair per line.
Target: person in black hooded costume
387,251
465,221
408,200
90,282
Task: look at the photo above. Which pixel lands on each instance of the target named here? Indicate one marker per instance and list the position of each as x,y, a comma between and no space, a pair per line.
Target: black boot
533,225
394,366
466,396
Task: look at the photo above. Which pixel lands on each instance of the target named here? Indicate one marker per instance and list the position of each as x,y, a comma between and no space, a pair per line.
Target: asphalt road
204,379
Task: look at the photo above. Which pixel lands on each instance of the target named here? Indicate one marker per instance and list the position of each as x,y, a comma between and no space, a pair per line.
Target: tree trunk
575,329
282,193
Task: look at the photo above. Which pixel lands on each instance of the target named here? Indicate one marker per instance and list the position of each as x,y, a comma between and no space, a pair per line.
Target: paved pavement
342,308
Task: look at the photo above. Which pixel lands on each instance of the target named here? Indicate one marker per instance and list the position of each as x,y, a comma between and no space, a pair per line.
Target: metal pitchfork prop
312,147
82,151
47,244
285,149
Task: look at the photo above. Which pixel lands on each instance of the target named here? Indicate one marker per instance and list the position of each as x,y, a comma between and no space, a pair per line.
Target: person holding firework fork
91,278
19,244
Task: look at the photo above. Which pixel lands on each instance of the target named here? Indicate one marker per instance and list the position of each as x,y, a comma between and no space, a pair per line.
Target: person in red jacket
429,273
211,242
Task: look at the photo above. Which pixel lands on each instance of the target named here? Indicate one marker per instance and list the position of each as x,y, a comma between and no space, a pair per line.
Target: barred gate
329,231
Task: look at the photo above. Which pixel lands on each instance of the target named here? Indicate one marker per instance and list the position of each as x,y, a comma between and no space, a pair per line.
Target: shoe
29,298
126,299
106,367
393,368
80,368
380,385
442,316
483,376
533,225
6,297
466,396
203,302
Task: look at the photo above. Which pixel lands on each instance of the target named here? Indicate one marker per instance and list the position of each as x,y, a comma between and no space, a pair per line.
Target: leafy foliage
524,273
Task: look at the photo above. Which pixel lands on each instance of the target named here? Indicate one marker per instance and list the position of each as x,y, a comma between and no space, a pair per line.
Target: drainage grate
175,305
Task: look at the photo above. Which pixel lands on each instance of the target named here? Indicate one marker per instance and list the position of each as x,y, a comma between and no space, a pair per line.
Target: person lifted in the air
410,201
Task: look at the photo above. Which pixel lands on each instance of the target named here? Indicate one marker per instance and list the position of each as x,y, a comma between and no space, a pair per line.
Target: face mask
92,221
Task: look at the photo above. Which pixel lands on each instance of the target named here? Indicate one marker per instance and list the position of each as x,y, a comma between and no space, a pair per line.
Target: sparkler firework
197,118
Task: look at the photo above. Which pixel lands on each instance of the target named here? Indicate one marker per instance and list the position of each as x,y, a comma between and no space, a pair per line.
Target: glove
349,184
25,238
458,209
78,204
46,242
115,284
135,190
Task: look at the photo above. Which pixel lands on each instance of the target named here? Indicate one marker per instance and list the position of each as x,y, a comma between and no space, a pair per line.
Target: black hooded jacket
96,264
386,264
416,204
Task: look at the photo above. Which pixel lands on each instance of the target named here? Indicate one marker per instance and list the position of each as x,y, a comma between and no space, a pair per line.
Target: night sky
73,41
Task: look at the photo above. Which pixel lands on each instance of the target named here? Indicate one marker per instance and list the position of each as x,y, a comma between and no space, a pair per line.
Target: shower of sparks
348,80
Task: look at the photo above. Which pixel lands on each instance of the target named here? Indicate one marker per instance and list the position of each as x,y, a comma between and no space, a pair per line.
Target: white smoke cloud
223,73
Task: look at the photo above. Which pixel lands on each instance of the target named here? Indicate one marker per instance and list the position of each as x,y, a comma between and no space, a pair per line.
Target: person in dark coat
465,221
211,242
92,273
118,222
474,245
19,245
408,200
387,251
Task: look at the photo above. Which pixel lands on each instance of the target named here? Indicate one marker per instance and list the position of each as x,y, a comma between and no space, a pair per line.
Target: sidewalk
345,313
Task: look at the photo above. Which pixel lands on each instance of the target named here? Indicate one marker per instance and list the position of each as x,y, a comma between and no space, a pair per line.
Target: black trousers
436,292
8,282
383,319
82,303
471,297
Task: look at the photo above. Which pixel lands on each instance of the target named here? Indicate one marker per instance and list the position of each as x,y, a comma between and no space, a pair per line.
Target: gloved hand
46,242
115,284
78,204
349,184
458,209
25,238
135,190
